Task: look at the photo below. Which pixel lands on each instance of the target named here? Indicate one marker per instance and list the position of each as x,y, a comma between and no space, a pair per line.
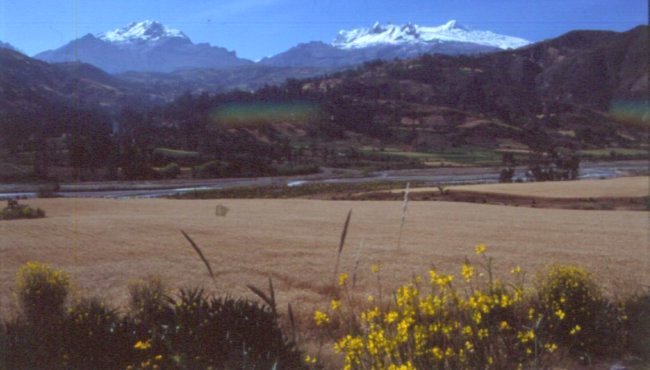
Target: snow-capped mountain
451,31
388,42
143,46
141,32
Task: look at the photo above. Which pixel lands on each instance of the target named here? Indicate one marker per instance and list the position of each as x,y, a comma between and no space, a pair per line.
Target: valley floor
105,244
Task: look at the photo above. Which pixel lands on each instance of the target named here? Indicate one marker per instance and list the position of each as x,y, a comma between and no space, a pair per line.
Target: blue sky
258,28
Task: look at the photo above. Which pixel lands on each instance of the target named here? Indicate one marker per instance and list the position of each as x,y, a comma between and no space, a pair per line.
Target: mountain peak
453,25
143,31
409,33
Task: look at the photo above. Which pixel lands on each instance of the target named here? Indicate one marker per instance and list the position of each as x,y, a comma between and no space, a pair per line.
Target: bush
225,333
41,292
191,331
149,302
170,171
637,325
574,314
434,325
14,211
33,340
95,337
478,322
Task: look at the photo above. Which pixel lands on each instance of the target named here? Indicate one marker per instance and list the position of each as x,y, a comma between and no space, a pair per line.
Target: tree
554,164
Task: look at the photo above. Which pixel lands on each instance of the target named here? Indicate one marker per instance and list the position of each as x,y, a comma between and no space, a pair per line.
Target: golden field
637,186
105,244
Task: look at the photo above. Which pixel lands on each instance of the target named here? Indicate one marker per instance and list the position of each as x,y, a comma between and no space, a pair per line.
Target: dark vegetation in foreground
188,330
479,322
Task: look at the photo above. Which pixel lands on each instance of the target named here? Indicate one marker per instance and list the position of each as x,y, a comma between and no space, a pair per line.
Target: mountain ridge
145,46
150,46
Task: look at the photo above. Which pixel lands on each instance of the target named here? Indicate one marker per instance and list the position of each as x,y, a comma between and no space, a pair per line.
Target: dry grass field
617,187
105,244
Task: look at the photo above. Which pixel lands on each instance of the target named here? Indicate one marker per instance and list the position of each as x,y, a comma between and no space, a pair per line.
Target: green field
459,156
614,153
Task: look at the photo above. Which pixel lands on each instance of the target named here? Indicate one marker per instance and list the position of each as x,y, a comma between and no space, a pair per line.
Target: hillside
581,92
562,90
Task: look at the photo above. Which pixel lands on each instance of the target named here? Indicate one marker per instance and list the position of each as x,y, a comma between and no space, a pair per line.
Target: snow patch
409,33
144,31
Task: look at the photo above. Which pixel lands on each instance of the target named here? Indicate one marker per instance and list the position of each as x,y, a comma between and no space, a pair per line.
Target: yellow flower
370,315
515,270
375,268
158,357
391,317
142,345
480,249
550,347
560,314
575,330
321,318
336,304
531,313
505,301
407,366
504,325
525,337
310,360
343,277
403,330
449,352
437,353
483,333
433,275
476,316
467,271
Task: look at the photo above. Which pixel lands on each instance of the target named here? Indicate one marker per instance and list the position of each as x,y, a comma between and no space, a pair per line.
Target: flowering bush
469,322
41,291
574,313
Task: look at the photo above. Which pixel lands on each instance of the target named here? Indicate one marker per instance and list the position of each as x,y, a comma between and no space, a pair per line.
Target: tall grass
344,233
200,253
405,204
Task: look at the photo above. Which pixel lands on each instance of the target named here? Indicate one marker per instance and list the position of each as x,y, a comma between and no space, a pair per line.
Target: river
431,176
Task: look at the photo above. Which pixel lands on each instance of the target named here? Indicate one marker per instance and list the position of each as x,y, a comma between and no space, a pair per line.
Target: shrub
637,325
170,171
14,211
95,337
434,325
574,314
191,331
41,291
474,321
33,339
149,301
223,333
